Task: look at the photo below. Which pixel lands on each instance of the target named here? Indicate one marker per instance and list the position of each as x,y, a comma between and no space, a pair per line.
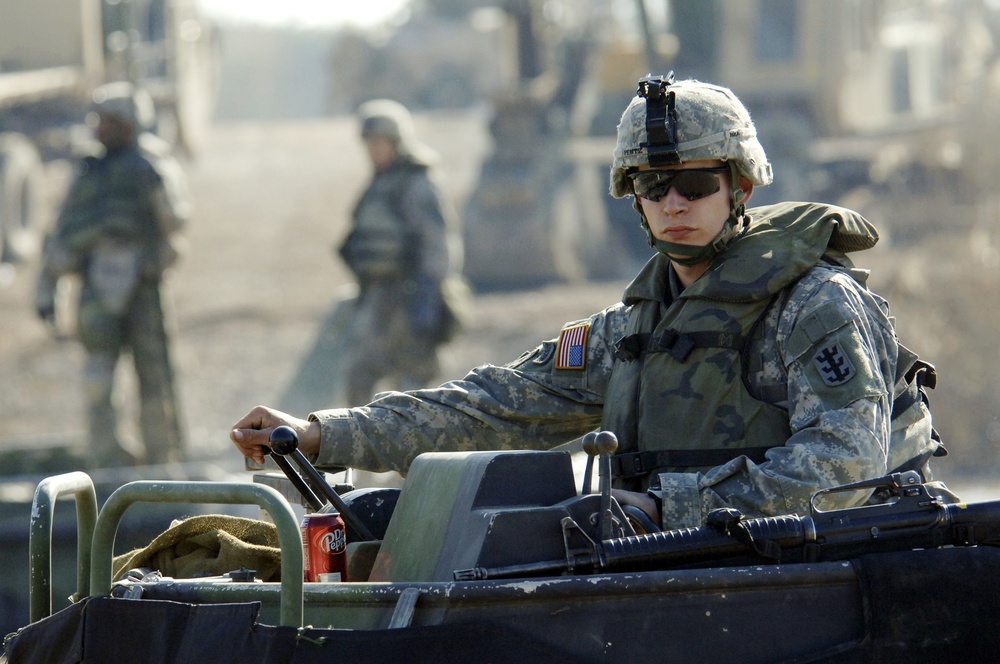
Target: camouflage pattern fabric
117,230
549,396
402,248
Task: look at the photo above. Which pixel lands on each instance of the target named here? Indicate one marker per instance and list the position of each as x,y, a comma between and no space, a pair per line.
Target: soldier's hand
47,312
426,306
643,501
45,298
251,433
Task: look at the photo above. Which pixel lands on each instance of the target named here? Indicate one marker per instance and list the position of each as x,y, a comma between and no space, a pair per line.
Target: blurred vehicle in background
861,102
53,55
847,94
553,76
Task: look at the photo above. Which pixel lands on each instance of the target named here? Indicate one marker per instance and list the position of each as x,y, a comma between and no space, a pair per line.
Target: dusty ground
257,283
259,280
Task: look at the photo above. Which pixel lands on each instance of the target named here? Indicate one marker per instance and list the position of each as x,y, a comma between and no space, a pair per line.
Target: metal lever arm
285,442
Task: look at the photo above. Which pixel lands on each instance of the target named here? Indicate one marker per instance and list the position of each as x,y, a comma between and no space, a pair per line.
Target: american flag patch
571,351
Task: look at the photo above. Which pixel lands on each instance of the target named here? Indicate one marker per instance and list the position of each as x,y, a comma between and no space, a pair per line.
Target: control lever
590,447
605,443
285,442
307,493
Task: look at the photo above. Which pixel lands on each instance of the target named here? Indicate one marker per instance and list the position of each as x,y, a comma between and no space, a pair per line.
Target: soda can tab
324,545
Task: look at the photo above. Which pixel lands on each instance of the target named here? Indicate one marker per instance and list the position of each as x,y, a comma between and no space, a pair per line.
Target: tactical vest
380,246
111,198
678,397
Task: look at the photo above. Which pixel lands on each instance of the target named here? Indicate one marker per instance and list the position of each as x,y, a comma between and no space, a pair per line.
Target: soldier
747,366
405,250
117,230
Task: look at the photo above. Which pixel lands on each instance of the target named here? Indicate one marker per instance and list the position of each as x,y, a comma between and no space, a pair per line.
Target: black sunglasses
691,183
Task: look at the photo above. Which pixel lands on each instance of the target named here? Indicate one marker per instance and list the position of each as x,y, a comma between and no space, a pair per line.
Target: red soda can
324,543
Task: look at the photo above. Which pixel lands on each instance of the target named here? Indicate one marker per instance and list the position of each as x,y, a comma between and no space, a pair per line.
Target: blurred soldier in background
117,230
406,251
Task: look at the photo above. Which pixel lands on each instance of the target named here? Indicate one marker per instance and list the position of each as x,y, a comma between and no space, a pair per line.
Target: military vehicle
510,557
53,54
844,94
871,104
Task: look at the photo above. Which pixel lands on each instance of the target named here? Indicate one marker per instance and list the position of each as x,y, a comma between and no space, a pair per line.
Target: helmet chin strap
688,255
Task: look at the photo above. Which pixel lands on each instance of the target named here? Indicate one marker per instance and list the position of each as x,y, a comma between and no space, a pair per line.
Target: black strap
632,347
676,344
635,464
730,522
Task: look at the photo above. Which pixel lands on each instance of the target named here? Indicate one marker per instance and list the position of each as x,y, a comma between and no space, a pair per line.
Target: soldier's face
381,150
675,218
114,132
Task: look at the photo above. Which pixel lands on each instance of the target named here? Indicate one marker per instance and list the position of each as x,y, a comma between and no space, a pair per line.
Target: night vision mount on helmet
673,122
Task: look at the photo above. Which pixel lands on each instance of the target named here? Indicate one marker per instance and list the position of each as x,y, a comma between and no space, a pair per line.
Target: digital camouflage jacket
828,430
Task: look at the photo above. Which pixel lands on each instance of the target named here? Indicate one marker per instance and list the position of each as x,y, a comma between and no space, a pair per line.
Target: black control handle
285,443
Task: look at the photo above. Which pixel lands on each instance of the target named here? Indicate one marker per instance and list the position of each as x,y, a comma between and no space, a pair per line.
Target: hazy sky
305,12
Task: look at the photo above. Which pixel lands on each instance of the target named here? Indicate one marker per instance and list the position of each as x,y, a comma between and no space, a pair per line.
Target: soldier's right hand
45,298
251,433
47,312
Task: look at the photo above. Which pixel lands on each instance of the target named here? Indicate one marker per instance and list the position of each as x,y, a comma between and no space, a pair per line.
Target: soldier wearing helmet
405,251
118,230
747,366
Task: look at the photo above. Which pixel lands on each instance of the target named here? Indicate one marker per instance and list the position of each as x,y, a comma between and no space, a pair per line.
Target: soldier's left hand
426,307
643,501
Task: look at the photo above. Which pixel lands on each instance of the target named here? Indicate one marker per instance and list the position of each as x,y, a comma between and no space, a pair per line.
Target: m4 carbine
911,518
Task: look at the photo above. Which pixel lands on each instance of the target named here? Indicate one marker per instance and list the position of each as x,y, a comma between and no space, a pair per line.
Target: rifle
911,519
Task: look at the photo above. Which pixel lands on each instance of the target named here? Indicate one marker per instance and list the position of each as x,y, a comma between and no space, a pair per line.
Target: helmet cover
392,120
688,121
125,101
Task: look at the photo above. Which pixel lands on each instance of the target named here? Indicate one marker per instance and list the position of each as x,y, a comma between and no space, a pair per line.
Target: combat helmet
673,122
123,99
388,118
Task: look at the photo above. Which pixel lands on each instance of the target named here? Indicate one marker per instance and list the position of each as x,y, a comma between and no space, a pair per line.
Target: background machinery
52,56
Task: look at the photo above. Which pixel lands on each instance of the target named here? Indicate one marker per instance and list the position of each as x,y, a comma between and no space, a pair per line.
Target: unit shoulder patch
835,366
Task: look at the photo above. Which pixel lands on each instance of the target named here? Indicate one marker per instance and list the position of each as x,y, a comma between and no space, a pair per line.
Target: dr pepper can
324,543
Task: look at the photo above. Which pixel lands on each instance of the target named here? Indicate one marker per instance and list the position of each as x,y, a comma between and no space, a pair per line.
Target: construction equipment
844,94
553,75
540,211
887,98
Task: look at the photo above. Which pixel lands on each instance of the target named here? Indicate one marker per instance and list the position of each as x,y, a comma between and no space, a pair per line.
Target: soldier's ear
745,190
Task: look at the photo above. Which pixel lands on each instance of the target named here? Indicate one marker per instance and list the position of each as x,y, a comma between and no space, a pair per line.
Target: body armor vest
380,246
679,383
111,198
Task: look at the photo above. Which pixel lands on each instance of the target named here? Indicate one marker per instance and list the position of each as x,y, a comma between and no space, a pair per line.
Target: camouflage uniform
772,376
540,401
404,249
117,229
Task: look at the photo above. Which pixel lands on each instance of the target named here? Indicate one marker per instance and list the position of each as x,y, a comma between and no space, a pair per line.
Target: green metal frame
43,506
289,535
